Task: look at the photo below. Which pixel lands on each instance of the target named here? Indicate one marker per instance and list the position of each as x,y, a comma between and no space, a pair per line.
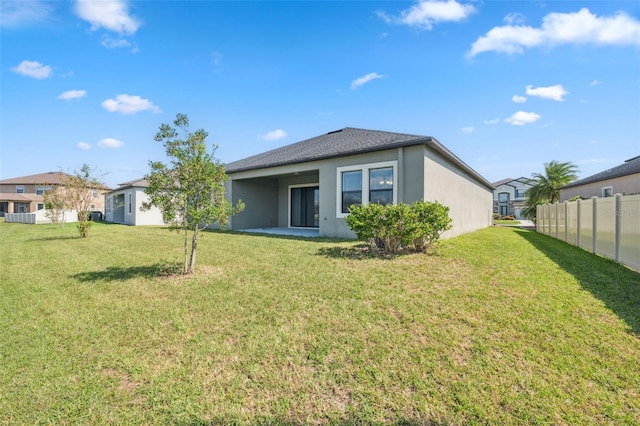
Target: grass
504,326
506,222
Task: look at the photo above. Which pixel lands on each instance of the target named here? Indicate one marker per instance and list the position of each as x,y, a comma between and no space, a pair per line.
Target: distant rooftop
629,167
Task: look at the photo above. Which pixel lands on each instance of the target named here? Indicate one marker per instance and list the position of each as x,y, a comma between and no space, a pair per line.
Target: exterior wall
30,198
626,185
515,204
124,207
260,196
469,202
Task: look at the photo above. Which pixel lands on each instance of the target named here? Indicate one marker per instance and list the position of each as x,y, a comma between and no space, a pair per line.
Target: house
122,205
510,195
623,179
26,194
311,184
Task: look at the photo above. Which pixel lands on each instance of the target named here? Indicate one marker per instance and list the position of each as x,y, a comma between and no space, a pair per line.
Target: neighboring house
623,179
123,205
26,194
312,183
509,197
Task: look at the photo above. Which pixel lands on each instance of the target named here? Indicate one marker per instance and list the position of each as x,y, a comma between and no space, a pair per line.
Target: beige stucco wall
470,203
626,185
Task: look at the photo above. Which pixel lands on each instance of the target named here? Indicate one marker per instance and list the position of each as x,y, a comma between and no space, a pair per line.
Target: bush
497,216
394,227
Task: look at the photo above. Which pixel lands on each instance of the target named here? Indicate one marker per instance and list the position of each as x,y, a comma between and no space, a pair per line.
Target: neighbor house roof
40,178
340,143
50,178
136,183
629,167
509,180
21,198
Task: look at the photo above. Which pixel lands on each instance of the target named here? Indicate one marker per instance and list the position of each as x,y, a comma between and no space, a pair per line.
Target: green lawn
506,222
504,326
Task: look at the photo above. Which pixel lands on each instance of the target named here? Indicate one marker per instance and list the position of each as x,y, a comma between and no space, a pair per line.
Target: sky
505,85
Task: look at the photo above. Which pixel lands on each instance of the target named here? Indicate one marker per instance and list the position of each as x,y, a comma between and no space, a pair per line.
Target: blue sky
505,85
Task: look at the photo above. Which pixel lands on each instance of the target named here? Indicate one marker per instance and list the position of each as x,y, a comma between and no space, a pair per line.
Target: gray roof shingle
629,167
340,143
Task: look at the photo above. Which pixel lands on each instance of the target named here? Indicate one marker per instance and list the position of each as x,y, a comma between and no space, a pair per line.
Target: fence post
594,226
578,208
618,225
566,221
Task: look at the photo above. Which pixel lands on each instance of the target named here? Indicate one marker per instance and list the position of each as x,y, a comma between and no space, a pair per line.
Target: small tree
77,190
190,190
55,203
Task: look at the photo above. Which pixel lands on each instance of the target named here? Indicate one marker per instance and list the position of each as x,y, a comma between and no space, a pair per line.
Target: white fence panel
608,226
586,224
572,223
629,216
40,217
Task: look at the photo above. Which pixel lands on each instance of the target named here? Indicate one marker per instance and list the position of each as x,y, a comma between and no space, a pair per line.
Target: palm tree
546,188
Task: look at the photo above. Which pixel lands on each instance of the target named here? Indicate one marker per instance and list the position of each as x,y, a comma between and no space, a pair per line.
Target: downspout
400,190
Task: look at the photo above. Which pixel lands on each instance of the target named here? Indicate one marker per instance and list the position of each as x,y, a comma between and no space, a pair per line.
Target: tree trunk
194,246
186,253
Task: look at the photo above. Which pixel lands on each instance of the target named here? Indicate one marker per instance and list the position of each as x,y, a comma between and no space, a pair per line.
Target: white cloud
17,13
519,99
467,129
112,15
555,93
72,94
427,12
595,83
83,146
521,118
32,69
110,143
127,104
494,121
365,79
514,18
274,135
580,27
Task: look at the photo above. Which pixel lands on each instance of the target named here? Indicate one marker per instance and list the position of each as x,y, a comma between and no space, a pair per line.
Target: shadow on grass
56,238
268,421
117,273
614,284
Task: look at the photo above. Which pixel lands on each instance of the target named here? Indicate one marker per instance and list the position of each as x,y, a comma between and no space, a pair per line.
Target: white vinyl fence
40,216
609,227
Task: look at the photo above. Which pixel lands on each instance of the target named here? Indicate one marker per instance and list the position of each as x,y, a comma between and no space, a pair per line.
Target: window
19,189
351,189
520,193
40,206
92,207
366,183
503,197
607,191
94,193
381,185
130,202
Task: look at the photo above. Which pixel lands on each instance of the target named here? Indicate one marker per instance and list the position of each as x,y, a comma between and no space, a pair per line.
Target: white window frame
301,185
604,188
365,182
19,189
40,206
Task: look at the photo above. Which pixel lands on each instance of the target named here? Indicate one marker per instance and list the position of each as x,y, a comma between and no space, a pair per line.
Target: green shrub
394,227
432,219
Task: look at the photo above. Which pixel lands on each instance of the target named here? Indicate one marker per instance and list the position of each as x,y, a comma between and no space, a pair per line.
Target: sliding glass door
305,207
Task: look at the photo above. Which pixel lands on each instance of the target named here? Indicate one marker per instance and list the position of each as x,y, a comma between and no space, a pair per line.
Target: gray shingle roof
629,167
339,143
